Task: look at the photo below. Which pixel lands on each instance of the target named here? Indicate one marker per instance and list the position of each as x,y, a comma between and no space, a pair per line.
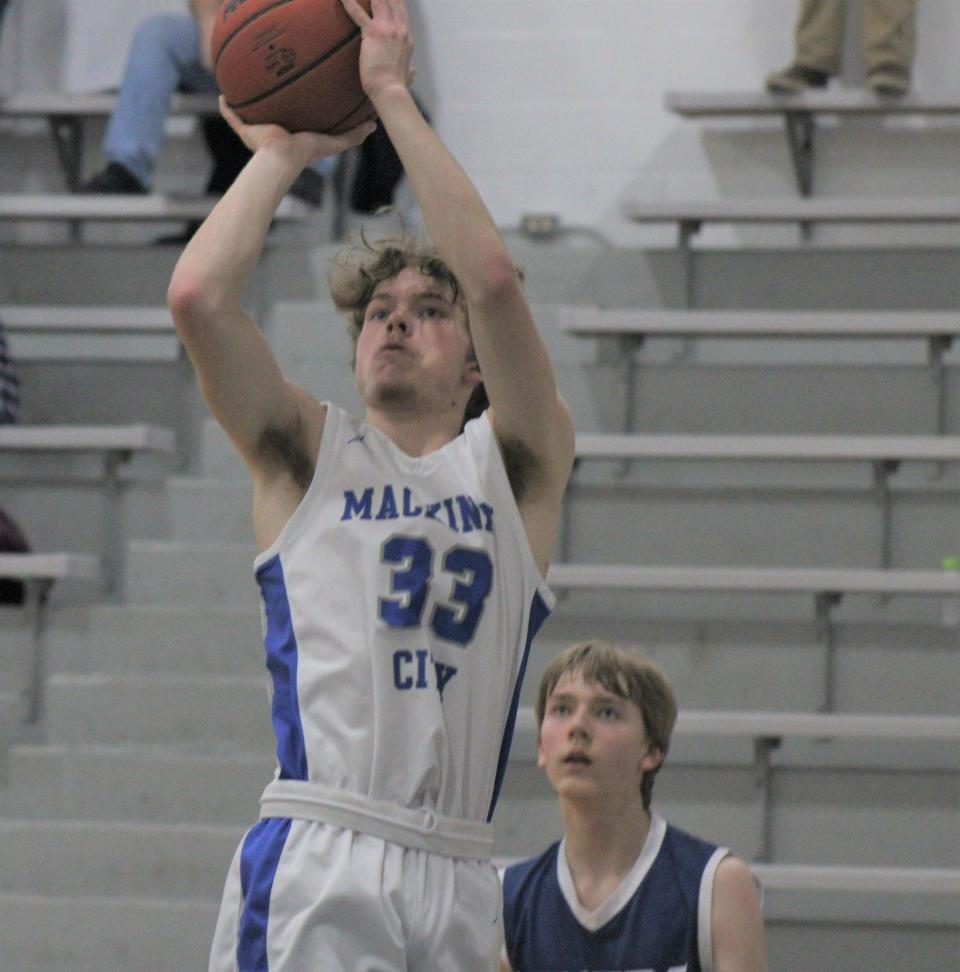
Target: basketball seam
236,30
306,69
352,111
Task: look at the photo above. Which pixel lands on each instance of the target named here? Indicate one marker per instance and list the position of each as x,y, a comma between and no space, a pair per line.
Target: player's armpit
736,920
238,374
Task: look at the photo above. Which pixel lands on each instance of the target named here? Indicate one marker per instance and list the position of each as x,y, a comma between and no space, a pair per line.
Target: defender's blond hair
624,672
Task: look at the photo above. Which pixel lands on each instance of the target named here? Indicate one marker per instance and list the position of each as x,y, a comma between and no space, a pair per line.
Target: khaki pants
888,34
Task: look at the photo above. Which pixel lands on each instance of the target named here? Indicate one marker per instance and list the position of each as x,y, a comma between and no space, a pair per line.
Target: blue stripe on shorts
259,859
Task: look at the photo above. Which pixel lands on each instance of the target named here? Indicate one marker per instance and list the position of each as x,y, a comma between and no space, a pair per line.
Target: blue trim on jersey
538,614
282,653
259,859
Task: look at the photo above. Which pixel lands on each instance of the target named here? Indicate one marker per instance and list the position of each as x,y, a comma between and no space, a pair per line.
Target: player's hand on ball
312,145
387,45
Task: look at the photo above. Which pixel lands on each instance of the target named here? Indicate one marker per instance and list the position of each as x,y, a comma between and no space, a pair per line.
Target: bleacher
68,118
783,560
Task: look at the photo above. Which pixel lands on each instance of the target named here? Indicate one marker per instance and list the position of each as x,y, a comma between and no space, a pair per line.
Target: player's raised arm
238,373
516,369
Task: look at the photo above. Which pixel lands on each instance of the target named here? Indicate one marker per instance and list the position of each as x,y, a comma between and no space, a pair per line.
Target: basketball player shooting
402,556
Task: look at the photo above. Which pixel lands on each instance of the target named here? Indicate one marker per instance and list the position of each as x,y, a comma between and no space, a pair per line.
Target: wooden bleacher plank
749,209
87,438
774,447
813,580
842,101
593,321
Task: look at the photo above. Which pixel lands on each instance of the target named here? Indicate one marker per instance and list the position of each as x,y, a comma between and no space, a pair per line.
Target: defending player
623,890
401,564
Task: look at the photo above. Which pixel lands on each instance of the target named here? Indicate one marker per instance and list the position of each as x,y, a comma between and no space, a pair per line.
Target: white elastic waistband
418,829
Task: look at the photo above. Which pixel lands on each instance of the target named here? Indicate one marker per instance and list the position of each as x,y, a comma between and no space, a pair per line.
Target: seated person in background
888,27
9,383
171,53
623,889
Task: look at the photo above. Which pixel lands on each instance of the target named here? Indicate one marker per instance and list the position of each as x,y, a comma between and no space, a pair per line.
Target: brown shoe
888,82
795,79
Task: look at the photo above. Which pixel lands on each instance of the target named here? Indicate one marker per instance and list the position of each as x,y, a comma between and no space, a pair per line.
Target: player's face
593,744
414,343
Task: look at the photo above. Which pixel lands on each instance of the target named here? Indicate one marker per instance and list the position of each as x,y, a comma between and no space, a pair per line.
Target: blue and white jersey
658,920
399,602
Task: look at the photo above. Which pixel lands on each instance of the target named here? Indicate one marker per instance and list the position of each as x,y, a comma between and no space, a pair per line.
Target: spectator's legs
164,55
819,35
819,48
229,154
889,38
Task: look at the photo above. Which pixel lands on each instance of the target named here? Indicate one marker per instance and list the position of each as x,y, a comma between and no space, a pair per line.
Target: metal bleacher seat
639,323
89,333
691,215
828,587
768,730
115,444
67,114
885,454
631,326
800,111
155,207
38,571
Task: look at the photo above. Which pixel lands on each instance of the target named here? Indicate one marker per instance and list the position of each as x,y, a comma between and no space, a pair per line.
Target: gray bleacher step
125,639
790,209
62,332
89,934
125,208
135,783
172,572
210,710
56,104
832,101
218,510
117,859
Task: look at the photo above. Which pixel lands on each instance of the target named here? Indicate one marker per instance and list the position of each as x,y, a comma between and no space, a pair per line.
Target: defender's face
414,340
593,744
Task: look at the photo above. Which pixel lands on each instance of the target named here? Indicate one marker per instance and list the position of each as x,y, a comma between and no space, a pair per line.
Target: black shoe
115,179
795,79
182,238
309,188
889,82
378,172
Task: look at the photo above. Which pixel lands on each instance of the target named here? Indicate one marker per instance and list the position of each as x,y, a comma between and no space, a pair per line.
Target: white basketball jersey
399,603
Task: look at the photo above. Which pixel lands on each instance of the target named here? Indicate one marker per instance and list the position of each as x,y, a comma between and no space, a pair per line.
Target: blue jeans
164,57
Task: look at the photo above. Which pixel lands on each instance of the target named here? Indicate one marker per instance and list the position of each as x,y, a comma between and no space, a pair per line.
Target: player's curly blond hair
624,672
359,269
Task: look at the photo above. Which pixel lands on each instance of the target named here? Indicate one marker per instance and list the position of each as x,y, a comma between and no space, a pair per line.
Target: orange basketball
293,63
